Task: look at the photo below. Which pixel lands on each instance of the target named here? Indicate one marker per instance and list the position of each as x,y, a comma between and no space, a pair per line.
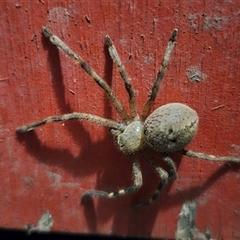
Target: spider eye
170,131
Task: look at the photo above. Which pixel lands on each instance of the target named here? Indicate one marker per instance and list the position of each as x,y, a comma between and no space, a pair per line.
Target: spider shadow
63,158
78,133
79,166
195,192
167,201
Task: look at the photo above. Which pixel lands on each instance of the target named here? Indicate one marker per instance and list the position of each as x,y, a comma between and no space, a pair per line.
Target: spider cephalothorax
168,129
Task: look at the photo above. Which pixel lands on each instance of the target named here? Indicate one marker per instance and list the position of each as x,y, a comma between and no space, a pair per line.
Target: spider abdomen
171,127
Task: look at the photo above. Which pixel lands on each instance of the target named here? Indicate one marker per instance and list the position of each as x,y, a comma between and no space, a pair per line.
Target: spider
167,129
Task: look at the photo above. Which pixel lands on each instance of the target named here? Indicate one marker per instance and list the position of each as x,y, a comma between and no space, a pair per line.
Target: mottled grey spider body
168,129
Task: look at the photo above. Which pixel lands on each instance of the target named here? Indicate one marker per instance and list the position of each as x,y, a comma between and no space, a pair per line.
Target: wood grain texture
50,168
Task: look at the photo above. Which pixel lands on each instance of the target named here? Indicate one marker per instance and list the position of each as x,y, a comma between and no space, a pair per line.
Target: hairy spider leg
168,160
163,174
137,183
101,82
73,116
160,75
127,81
209,157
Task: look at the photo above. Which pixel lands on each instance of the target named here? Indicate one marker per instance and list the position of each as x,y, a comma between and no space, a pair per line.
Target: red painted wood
50,168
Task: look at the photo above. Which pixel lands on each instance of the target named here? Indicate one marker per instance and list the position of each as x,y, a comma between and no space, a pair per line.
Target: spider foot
91,193
145,203
104,194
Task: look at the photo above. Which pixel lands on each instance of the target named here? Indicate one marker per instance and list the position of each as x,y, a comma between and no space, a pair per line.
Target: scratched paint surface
50,168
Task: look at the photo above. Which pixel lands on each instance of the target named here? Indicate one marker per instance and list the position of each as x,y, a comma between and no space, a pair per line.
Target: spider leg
137,183
73,116
160,74
208,157
162,174
102,83
116,59
173,171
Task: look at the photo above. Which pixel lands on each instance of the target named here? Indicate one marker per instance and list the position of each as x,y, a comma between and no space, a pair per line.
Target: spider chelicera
168,129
